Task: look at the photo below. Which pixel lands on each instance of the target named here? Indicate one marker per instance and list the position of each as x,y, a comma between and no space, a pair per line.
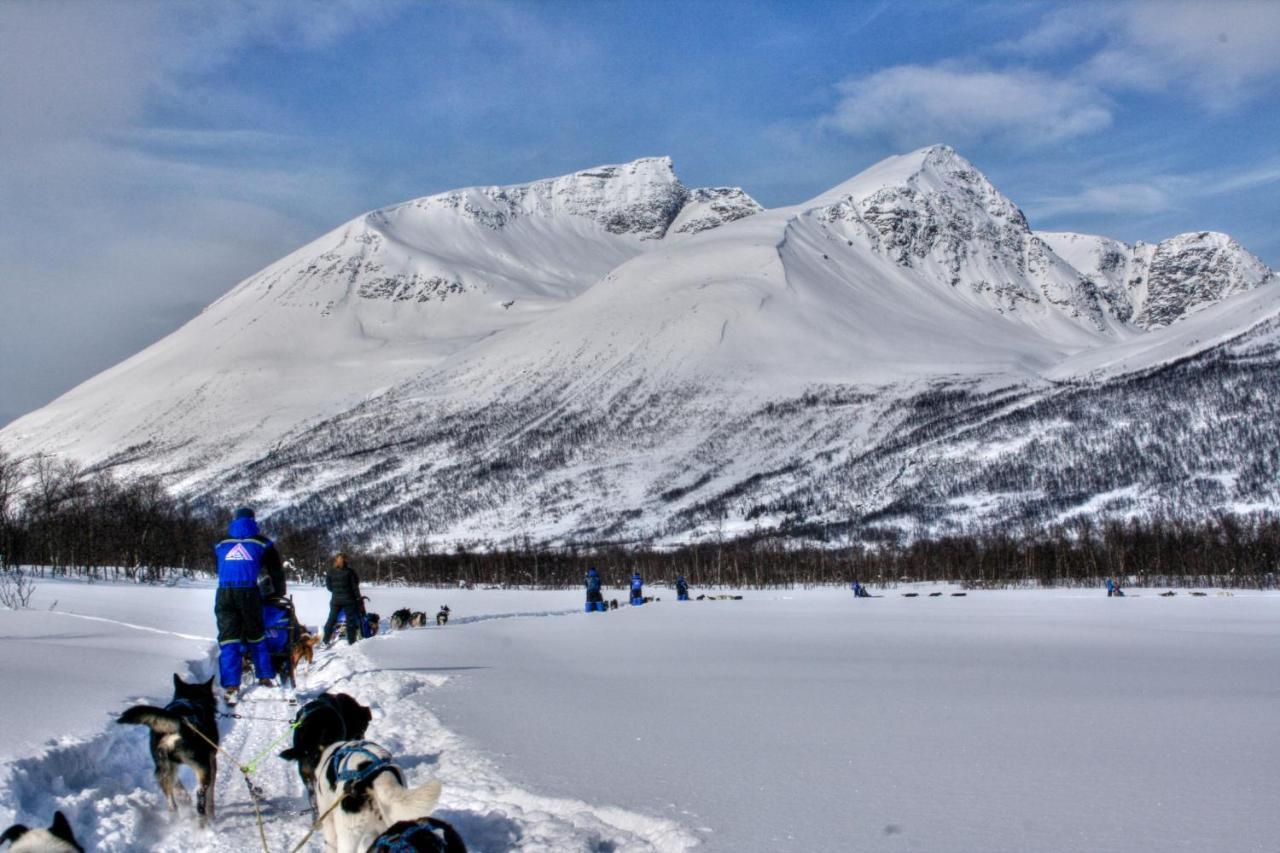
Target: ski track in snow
106,787
134,626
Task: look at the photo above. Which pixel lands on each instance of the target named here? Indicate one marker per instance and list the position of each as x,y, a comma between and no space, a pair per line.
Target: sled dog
58,838
400,619
303,649
442,618
425,835
361,793
327,719
183,732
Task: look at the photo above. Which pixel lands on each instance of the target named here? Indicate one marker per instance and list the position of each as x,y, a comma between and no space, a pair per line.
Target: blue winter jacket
240,554
636,583
593,582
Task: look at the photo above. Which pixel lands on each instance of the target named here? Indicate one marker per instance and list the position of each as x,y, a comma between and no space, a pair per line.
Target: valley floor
790,720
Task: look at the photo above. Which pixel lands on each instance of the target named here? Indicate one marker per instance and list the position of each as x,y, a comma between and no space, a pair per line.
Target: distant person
238,602
1111,587
637,588
860,591
344,595
595,600
682,589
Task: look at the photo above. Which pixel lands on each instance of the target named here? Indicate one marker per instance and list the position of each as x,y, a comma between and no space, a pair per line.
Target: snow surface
791,720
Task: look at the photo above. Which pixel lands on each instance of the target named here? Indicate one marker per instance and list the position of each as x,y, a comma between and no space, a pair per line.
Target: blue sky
153,154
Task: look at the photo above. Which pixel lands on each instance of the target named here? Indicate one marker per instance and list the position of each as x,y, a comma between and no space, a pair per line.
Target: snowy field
805,720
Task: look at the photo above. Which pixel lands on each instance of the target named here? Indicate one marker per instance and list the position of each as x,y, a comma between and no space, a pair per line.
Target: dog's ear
208,683
62,829
13,833
177,682
290,754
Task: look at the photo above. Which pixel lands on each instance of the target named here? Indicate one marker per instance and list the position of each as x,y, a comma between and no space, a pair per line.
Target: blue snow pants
240,629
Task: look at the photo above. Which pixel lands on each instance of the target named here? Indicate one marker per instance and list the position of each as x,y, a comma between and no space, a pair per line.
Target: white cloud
1220,54
1153,193
1131,198
1225,52
914,105
115,226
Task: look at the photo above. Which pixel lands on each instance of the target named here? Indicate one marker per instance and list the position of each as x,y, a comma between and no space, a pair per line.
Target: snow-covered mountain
612,354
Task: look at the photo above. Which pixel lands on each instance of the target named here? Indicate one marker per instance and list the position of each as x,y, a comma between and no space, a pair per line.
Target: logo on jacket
239,553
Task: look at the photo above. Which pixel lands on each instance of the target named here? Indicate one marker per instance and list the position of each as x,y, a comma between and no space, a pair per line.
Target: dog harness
418,835
345,756
186,709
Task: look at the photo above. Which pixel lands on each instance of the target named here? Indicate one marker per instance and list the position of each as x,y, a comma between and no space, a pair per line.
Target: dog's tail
398,803
157,719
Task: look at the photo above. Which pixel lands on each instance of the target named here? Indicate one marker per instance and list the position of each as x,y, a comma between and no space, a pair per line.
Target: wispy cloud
1061,78
913,105
1130,198
1158,192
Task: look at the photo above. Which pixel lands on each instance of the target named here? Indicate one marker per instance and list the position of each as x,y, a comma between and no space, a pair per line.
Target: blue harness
188,710
344,757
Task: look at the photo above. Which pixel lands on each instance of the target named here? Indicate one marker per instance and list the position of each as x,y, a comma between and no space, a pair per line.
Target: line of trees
66,519
1224,551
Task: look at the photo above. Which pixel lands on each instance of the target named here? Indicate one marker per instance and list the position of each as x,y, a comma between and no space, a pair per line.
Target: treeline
1225,551
75,521
69,520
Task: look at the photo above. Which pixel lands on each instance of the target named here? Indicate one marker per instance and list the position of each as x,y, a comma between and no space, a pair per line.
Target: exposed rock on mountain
610,354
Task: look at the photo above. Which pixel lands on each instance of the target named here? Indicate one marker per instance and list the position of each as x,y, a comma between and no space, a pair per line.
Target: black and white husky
325,720
360,794
183,732
58,838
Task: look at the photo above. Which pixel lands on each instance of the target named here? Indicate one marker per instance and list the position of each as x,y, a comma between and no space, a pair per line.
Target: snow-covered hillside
376,301
610,354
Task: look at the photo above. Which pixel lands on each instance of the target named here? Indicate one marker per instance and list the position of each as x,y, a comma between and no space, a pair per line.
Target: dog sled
368,623
283,631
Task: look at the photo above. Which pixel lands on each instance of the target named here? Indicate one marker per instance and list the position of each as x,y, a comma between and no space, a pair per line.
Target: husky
418,619
442,618
58,838
425,835
183,732
400,619
325,720
360,793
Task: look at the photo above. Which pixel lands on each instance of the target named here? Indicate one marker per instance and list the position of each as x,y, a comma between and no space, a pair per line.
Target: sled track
106,788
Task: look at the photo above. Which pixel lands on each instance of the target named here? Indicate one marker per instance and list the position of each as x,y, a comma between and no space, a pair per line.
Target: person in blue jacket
637,589
682,589
859,591
238,603
595,600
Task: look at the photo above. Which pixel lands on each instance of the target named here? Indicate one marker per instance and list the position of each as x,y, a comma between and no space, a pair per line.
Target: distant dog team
406,618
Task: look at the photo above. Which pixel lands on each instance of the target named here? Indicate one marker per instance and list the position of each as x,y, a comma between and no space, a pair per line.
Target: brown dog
303,649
